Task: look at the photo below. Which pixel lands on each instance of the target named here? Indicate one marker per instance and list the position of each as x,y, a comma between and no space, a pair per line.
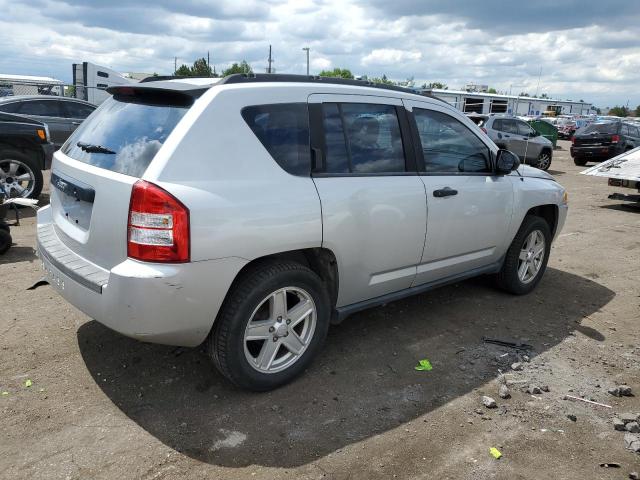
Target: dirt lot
104,406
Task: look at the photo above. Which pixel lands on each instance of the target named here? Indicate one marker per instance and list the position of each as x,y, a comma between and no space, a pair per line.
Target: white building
29,85
478,102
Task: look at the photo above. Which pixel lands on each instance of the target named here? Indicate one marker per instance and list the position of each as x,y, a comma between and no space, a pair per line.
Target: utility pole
538,87
270,60
208,66
307,50
175,65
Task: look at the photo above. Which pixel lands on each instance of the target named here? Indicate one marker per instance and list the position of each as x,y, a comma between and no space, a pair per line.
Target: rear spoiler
158,92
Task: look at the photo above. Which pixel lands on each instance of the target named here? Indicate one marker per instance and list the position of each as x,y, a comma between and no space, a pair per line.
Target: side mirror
506,162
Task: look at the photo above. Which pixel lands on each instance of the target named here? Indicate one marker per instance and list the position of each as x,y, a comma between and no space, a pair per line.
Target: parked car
61,114
567,130
25,150
603,140
518,137
251,214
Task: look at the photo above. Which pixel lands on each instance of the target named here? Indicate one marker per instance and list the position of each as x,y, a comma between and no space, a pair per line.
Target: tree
242,67
524,94
619,111
383,80
438,85
183,71
492,90
201,68
637,112
544,95
337,73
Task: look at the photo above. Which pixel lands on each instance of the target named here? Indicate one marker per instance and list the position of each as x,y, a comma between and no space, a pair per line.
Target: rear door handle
445,192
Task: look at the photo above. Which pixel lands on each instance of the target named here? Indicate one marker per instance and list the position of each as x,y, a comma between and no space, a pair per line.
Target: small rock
517,366
618,425
625,391
479,411
544,388
572,417
632,442
632,427
504,392
533,390
489,402
634,476
628,417
615,391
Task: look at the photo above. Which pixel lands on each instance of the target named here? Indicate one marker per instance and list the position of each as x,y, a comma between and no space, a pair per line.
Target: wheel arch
549,213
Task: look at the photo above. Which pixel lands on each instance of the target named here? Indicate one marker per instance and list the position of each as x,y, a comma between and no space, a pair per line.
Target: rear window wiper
89,148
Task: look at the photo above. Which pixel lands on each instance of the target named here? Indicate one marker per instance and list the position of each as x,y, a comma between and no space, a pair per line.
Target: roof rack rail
285,77
159,78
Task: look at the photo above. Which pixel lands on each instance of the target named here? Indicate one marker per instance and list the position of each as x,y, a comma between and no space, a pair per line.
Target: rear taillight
615,138
573,140
483,129
158,225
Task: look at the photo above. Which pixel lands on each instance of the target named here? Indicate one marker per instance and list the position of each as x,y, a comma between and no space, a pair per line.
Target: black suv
604,140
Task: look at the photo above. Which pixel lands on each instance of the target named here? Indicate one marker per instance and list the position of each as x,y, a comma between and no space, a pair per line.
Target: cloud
583,49
390,56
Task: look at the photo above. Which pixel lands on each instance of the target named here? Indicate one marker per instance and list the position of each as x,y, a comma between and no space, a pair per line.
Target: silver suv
518,137
251,213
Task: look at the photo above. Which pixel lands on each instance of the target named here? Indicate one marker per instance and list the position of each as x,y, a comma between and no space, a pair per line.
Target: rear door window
283,129
41,108
77,110
362,138
130,131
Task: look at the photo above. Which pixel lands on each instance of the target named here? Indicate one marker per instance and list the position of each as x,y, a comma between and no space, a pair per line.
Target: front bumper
173,304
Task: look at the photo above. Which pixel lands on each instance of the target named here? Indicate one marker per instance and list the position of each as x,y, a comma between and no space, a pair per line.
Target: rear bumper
173,304
48,149
596,153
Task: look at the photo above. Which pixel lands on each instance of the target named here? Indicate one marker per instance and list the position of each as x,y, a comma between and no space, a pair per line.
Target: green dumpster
546,130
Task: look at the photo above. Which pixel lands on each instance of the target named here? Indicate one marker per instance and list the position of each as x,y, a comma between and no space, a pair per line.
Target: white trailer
621,171
91,81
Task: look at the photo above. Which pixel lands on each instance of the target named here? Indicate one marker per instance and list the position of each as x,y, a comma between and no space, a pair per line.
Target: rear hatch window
609,128
125,132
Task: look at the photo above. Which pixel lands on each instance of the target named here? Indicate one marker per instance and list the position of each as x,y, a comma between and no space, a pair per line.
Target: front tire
5,240
271,326
526,259
579,161
544,160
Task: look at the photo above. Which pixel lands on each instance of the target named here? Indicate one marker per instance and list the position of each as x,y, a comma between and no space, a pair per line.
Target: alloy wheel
17,179
280,330
531,256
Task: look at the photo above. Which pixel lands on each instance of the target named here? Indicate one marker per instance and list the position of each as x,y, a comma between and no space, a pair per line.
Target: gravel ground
104,406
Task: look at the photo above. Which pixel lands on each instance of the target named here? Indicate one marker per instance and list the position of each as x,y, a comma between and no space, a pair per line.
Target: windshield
123,136
610,127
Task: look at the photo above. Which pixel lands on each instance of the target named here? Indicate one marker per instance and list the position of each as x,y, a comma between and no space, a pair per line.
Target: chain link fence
13,88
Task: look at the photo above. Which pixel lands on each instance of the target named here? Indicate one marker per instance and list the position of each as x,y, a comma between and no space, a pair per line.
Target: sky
568,49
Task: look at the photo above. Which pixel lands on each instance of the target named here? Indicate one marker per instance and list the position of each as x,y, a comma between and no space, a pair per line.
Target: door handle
507,136
445,192
75,123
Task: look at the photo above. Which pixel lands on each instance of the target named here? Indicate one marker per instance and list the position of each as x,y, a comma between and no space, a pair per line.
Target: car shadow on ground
624,207
18,253
362,384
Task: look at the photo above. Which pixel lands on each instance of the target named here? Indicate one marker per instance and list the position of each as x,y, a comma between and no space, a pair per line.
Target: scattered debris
40,283
4,394
545,388
517,366
610,465
632,442
534,390
423,365
572,417
621,391
634,476
495,453
504,343
578,399
628,417
618,425
489,402
504,392
28,383
632,427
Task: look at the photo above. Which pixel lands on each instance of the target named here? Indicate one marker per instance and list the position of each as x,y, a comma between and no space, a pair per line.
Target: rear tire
250,346
579,161
532,241
14,164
